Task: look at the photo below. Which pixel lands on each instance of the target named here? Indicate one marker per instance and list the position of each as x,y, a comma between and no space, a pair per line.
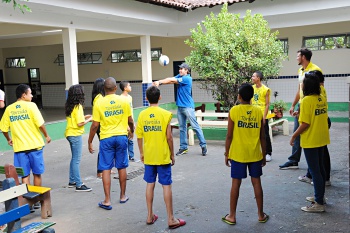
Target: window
327,42
15,62
133,55
83,58
285,45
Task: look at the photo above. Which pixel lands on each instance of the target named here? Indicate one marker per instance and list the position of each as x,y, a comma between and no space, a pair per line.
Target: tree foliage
226,50
21,7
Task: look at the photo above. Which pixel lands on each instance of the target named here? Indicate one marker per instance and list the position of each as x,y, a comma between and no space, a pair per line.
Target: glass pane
33,73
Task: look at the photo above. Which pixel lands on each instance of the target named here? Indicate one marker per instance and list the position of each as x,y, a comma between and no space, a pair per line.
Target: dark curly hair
75,97
311,84
97,88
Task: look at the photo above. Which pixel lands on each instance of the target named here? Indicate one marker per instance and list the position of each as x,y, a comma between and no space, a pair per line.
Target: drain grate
133,174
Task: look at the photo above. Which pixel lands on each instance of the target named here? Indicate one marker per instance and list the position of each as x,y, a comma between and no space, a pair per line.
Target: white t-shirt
2,95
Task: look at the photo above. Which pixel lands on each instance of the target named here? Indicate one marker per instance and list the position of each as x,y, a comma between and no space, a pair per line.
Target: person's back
152,124
245,146
24,119
110,112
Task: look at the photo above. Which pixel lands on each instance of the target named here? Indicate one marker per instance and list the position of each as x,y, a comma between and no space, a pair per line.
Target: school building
61,43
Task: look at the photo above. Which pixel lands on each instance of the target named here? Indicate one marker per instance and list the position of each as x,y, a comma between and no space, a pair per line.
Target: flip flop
266,218
227,221
103,206
122,202
181,223
155,217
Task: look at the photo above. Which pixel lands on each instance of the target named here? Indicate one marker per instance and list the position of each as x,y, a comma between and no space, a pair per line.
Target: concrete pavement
201,188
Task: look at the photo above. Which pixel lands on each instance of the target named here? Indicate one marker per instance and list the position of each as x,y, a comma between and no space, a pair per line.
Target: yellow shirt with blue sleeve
259,98
23,119
246,146
76,117
151,126
112,111
313,111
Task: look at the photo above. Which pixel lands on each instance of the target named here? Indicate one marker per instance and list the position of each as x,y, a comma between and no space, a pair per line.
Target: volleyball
163,60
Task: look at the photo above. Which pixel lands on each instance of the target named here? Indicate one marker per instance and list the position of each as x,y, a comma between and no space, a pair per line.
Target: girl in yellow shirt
74,131
313,123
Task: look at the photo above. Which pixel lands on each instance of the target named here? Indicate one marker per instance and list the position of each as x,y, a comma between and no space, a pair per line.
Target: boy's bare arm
296,100
169,137
43,130
7,136
140,144
230,128
263,143
93,130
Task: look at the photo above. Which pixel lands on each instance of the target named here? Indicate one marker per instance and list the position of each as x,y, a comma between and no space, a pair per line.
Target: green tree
227,50
22,7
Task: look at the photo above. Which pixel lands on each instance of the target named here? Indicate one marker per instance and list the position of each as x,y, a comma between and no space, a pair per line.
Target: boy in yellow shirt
125,87
155,143
261,99
245,147
25,121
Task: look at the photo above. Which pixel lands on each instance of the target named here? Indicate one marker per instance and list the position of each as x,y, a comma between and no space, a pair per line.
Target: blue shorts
163,171
30,160
239,170
113,153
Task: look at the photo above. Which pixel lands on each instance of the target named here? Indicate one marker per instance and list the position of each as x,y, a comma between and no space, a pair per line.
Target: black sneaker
182,152
72,185
289,165
83,188
204,151
132,159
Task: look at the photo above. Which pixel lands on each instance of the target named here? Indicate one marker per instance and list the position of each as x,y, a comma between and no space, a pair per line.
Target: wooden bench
35,194
14,212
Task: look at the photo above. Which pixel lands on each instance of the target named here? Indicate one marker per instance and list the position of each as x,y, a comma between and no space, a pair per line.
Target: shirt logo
18,106
319,99
112,102
256,97
151,115
249,112
179,80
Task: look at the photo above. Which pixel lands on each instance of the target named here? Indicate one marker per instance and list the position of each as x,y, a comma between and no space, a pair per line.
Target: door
35,85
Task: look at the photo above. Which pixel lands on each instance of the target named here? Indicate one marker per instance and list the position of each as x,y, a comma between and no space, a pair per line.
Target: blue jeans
76,145
314,159
184,114
296,149
131,148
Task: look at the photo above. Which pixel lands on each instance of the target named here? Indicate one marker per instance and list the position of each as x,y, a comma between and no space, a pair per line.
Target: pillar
146,66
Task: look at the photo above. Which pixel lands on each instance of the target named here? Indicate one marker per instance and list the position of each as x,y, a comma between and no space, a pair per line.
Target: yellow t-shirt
96,99
301,73
245,146
323,92
151,126
259,98
129,99
313,111
24,120
76,117
112,111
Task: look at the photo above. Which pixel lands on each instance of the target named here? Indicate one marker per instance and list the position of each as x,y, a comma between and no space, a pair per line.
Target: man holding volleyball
185,111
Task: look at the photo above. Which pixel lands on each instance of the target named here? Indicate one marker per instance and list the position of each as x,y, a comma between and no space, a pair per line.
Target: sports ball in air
163,60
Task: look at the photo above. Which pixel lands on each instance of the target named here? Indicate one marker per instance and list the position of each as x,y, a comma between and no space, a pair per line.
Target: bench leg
285,128
46,210
270,134
190,137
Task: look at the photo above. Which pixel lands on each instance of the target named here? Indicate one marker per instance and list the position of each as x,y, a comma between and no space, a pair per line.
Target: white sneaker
312,199
305,179
328,183
268,158
313,208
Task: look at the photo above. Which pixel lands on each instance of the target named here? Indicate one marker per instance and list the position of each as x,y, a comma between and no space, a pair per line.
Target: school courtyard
201,188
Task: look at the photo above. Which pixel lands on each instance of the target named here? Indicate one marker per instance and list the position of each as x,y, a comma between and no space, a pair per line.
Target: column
70,57
146,66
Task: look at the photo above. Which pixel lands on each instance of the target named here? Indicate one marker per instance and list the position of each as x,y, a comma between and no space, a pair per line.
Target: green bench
35,194
14,212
